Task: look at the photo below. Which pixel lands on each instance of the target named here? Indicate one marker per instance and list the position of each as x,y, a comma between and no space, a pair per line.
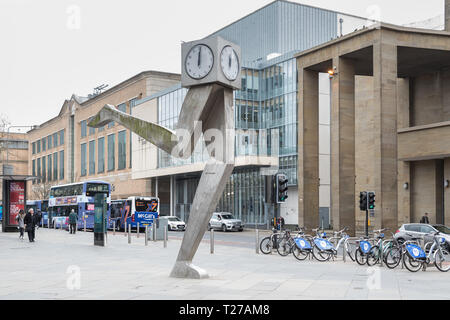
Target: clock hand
229,61
200,56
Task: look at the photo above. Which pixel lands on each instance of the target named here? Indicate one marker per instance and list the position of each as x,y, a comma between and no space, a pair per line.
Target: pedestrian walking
73,221
38,217
425,219
20,221
30,224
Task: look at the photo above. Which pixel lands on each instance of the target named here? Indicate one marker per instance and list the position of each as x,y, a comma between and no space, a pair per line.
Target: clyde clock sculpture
211,70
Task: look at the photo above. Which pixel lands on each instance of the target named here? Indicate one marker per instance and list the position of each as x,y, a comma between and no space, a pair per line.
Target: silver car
226,222
416,230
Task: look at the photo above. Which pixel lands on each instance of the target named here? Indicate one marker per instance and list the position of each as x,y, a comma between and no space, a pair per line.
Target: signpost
14,199
100,220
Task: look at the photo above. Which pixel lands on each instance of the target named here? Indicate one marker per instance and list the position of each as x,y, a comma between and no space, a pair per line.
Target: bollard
381,253
344,251
129,234
125,230
84,224
114,228
257,241
165,237
154,232
211,241
146,235
137,230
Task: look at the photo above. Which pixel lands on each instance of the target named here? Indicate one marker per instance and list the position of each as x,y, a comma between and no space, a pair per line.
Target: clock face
199,61
230,63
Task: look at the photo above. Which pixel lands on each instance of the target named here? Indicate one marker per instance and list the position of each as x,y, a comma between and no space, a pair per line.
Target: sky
51,49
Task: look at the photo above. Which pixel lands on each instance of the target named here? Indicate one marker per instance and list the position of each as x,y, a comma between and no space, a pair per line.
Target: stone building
65,150
390,126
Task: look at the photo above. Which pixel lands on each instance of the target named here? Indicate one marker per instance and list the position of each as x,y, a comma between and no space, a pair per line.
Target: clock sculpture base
186,270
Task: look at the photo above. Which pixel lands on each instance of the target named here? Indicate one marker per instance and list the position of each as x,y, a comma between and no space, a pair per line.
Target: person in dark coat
73,221
38,217
425,219
30,224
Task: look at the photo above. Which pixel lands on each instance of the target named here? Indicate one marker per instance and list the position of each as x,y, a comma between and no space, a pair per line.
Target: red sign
16,200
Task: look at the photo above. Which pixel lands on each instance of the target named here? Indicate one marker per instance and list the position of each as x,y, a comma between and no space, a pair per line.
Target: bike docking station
211,70
100,220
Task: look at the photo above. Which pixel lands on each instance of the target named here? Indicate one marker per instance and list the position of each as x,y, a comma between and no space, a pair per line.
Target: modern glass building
265,115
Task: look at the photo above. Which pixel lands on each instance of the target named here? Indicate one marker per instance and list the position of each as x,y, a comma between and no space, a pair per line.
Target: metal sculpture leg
209,191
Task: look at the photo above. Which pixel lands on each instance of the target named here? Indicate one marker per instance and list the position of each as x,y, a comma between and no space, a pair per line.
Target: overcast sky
53,48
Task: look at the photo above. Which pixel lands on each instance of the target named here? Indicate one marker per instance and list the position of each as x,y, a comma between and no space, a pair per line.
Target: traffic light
371,201
282,188
363,201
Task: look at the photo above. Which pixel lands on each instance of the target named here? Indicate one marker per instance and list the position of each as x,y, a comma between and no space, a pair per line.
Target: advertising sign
1,212
16,200
146,218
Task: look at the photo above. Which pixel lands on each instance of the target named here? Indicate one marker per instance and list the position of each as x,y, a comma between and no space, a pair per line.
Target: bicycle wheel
321,256
360,258
350,249
373,257
393,257
442,260
266,245
284,248
411,264
299,254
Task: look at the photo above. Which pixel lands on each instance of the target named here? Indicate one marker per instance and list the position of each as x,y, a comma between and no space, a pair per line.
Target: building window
55,166
92,157
49,167
44,170
111,152
44,144
83,129
83,160
61,137
122,150
101,129
50,142
91,129
34,170
55,140
38,146
61,165
38,172
34,147
122,107
101,155
111,124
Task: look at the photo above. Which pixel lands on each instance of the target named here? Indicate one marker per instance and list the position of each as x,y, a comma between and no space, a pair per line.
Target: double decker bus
39,205
127,210
79,197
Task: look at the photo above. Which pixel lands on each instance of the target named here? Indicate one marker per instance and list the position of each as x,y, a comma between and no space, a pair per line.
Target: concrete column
404,168
385,138
343,145
308,152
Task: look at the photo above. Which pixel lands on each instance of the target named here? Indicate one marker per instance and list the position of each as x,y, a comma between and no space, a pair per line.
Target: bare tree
4,123
41,191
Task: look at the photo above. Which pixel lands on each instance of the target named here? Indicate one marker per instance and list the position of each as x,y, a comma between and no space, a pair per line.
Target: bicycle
286,244
379,249
363,250
303,248
322,248
267,244
416,257
343,238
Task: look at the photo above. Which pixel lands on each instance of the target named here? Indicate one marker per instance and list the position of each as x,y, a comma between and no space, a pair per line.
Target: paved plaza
63,266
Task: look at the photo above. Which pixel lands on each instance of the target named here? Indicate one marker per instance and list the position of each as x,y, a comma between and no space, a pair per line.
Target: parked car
175,223
226,222
416,230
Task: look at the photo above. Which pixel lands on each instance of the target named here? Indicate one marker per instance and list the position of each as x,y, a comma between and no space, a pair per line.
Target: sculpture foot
186,270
